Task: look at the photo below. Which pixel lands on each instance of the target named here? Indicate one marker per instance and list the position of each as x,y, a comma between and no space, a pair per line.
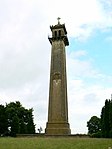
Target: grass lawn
54,143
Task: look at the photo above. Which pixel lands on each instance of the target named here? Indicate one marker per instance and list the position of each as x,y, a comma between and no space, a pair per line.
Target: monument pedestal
58,129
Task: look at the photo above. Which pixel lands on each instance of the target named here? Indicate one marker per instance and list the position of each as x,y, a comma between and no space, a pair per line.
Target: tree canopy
102,127
106,119
15,119
94,125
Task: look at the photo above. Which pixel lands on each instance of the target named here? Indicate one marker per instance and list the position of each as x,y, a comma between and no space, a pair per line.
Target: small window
55,33
59,32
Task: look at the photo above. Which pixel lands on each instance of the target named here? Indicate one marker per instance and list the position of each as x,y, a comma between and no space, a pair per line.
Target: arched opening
55,33
59,33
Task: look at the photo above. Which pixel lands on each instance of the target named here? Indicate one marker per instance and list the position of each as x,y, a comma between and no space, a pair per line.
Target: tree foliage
102,125
3,120
94,125
106,119
16,118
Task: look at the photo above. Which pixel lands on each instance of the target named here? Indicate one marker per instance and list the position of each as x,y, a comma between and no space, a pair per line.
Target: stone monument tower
58,107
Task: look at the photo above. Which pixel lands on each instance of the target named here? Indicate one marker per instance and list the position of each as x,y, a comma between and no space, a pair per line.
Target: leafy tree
23,127
94,125
106,119
3,121
14,118
110,119
20,120
104,124
15,126
30,124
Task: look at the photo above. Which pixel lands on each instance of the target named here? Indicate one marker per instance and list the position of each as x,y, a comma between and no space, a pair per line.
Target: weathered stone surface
58,106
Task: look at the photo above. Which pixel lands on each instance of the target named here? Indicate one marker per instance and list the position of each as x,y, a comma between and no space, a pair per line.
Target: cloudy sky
25,54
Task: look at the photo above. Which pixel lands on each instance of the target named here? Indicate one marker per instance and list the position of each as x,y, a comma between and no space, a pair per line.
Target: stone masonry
58,106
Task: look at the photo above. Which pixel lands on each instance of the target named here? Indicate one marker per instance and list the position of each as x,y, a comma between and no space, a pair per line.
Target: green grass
54,143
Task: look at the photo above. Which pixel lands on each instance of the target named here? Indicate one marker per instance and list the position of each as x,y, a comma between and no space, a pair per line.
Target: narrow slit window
55,33
59,32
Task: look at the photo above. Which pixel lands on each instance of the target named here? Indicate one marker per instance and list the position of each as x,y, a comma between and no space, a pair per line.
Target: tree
20,120
102,126
106,119
110,119
15,126
94,125
3,121
30,124
23,127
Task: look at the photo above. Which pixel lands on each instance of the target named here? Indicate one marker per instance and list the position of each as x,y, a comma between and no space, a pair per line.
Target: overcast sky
25,54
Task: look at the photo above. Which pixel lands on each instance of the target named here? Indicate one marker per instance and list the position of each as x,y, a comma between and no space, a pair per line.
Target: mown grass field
54,143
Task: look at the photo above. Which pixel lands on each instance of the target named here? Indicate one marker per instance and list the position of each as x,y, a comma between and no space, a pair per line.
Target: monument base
57,129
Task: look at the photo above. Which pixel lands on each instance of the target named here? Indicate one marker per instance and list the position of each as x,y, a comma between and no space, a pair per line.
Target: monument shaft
58,107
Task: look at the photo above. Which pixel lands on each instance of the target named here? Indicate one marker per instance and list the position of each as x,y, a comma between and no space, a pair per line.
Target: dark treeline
102,127
15,119
106,119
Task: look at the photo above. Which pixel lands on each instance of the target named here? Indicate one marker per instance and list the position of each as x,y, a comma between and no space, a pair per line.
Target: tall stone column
58,106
